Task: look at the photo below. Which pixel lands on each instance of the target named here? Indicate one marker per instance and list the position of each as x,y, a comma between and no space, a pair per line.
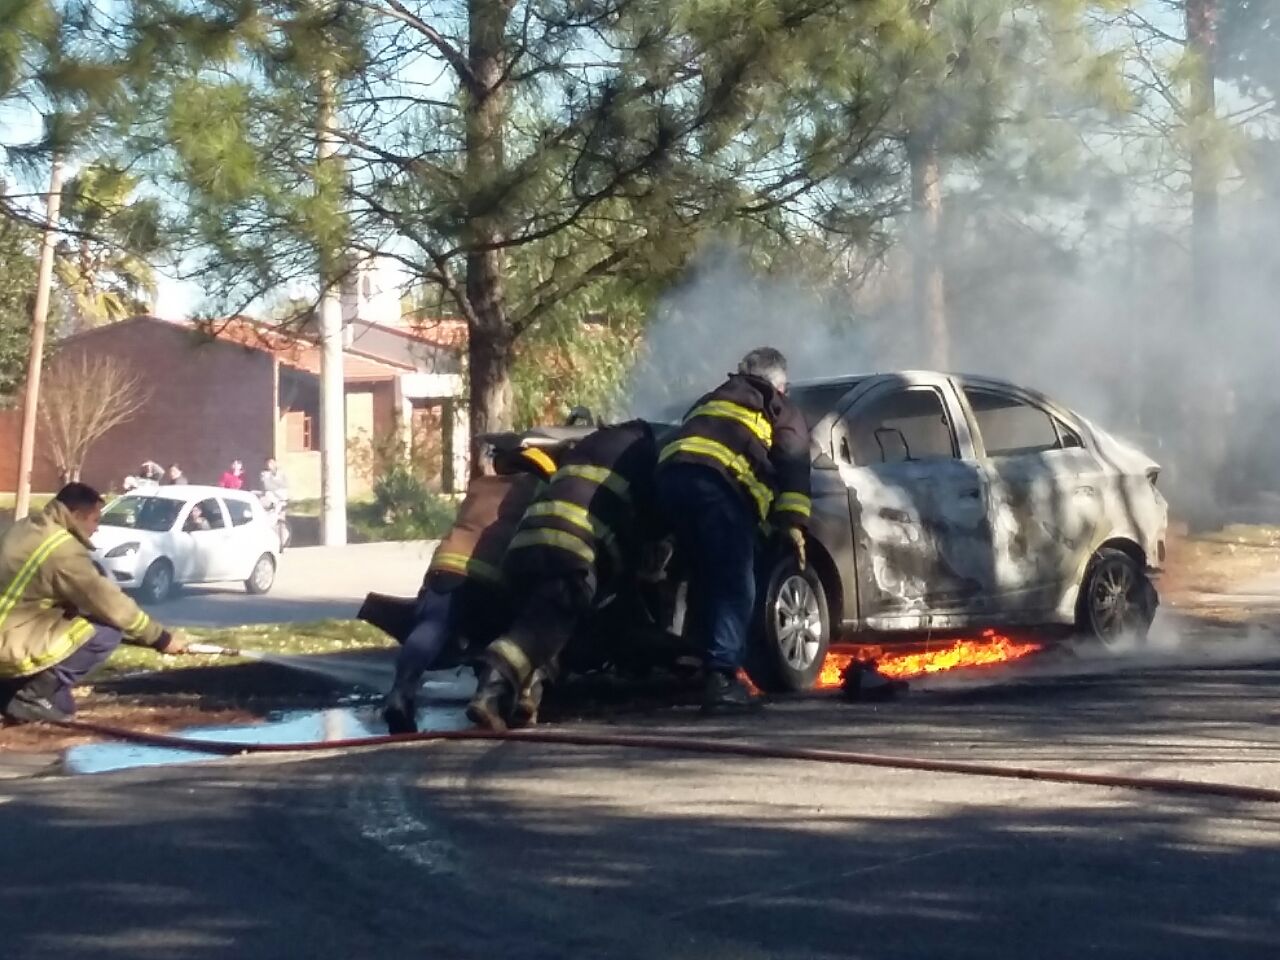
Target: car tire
792,631
263,575
1117,600
157,582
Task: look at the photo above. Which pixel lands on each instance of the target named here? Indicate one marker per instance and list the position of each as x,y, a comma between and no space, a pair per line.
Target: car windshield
156,514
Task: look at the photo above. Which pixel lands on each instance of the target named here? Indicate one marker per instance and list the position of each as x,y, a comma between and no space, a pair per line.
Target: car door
246,542
205,534
918,505
1045,497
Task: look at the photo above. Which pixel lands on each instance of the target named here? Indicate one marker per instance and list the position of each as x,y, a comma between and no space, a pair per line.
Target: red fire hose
702,746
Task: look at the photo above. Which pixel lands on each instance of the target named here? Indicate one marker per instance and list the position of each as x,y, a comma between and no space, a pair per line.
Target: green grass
323,636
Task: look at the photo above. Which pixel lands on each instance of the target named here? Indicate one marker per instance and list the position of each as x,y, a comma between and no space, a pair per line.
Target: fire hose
671,744
698,746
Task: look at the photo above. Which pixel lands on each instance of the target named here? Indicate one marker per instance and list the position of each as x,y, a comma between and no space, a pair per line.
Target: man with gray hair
740,461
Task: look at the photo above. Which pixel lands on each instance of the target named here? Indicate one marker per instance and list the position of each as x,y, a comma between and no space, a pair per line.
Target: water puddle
444,711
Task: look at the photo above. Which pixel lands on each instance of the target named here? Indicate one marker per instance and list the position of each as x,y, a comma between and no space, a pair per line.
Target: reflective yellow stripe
556,539
795,502
540,458
737,464
601,475
18,586
510,654
753,420
138,625
572,513
466,566
62,648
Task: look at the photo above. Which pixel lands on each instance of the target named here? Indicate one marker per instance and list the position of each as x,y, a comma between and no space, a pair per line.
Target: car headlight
124,550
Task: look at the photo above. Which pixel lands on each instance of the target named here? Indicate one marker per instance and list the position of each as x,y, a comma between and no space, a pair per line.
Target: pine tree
488,141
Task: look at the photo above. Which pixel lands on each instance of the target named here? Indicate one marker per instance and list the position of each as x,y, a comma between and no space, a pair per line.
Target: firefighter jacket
487,520
51,593
592,513
756,437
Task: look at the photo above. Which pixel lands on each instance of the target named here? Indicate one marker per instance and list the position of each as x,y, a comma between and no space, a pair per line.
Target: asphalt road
312,583
524,851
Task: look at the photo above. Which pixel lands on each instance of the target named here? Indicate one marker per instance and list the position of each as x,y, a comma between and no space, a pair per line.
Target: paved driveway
313,583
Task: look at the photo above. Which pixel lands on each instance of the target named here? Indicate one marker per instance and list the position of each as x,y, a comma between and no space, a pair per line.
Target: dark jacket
755,437
487,519
590,517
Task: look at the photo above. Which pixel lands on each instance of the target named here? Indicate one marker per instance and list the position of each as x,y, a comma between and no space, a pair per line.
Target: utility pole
333,400
35,359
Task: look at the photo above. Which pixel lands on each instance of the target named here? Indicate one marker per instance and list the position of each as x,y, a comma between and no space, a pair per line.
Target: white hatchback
152,540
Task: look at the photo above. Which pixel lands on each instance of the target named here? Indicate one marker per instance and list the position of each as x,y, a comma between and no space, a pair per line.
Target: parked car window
1010,427
205,515
241,512
904,425
156,514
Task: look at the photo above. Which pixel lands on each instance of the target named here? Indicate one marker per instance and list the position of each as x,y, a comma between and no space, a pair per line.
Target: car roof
183,492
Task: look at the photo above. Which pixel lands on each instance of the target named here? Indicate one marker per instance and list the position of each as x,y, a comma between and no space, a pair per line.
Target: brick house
245,391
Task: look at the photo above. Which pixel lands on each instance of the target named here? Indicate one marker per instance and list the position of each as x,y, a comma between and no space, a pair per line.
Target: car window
817,401
205,515
907,424
155,514
241,512
1011,427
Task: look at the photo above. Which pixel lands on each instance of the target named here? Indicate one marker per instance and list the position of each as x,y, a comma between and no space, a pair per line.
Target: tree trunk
490,350
1206,375
1202,16
928,294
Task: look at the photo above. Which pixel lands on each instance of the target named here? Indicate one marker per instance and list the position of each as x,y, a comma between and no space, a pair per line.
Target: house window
299,427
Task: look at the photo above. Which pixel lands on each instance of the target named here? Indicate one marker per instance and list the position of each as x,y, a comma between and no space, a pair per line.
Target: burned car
940,503
947,502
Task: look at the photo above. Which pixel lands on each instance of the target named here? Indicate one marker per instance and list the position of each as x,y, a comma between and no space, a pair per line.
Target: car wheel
157,582
793,631
1117,600
263,576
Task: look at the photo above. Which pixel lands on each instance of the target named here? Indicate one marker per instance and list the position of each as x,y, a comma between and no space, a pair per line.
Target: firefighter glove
796,536
172,643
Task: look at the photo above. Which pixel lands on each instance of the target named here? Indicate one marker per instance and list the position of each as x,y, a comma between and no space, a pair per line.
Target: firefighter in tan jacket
59,617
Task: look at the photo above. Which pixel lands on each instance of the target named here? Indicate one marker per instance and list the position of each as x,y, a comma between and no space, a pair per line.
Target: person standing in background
233,479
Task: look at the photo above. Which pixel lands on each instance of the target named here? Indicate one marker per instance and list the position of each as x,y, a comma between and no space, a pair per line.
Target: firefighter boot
525,712
493,703
32,702
725,693
400,711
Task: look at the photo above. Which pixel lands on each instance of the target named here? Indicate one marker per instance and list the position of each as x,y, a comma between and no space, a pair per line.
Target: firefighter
59,617
463,593
576,544
739,461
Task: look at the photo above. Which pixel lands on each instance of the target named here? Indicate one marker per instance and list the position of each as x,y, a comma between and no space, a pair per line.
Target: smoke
1099,318
720,311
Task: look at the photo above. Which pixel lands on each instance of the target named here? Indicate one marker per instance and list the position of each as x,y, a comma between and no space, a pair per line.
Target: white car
152,540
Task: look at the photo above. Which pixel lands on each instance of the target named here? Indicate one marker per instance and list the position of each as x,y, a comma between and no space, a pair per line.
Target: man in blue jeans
739,462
